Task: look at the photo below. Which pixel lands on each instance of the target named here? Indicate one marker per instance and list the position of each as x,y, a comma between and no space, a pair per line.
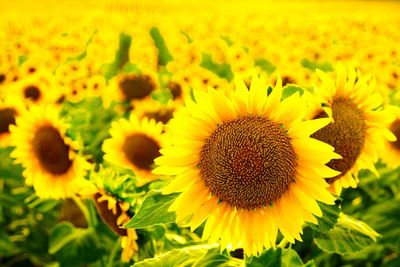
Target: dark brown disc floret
51,150
32,92
141,150
395,129
137,86
346,134
7,118
248,162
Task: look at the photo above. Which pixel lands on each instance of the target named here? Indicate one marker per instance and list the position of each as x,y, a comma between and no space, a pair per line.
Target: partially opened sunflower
246,166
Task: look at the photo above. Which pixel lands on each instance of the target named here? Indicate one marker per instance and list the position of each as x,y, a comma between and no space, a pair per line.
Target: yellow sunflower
115,214
134,144
132,87
48,156
390,153
152,109
246,165
359,123
38,88
8,112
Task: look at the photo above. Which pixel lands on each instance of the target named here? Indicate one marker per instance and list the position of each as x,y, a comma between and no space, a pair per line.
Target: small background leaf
153,211
343,239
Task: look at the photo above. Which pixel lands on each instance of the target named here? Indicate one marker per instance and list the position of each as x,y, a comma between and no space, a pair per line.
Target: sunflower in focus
48,156
359,123
246,166
134,144
390,153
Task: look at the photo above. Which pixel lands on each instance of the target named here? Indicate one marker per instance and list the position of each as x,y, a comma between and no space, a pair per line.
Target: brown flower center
32,92
137,86
2,78
7,117
51,150
176,90
248,162
395,128
346,134
162,115
141,151
108,216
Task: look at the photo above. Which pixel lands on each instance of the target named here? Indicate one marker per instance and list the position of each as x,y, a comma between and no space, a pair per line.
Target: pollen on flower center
141,150
346,134
137,87
395,129
7,117
32,92
51,150
248,162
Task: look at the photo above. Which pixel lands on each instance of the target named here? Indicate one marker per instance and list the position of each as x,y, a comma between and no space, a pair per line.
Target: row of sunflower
169,145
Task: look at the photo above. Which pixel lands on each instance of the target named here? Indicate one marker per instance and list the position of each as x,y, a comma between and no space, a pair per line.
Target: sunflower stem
84,210
113,253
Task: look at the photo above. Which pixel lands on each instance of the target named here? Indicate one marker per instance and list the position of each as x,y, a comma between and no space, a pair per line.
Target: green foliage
313,65
265,65
330,215
153,211
198,256
73,246
269,258
289,90
164,56
347,236
223,70
89,127
121,57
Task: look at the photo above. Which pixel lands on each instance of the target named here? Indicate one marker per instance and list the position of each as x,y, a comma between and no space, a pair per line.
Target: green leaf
189,256
121,57
290,258
290,90
312,65
74,246
164,56
227,40
270,258
310,263
384,217
9,170
265,65
346,237
330,215
153,211
223,70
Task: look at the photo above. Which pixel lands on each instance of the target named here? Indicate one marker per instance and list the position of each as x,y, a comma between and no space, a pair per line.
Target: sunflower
115,214
390,153
38,88
113,198
46,153
245,164
359,123
132,87
8,113
152,109
134,144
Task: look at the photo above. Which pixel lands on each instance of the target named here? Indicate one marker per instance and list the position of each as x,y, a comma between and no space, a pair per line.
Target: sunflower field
199,133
